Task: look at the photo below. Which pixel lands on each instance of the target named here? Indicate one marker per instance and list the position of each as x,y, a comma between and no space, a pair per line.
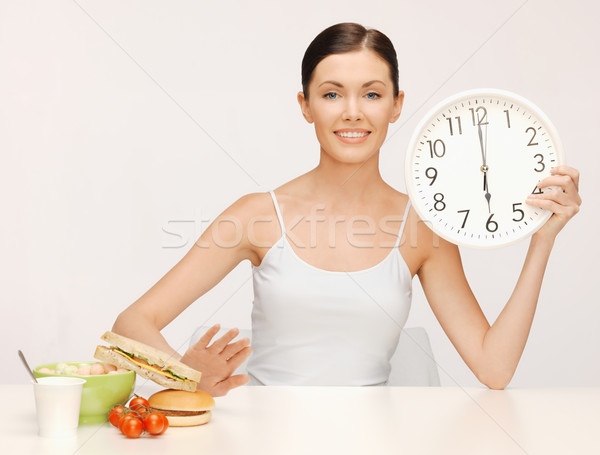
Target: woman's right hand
218,361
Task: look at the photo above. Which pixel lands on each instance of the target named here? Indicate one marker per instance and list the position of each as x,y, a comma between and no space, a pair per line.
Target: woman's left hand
563,204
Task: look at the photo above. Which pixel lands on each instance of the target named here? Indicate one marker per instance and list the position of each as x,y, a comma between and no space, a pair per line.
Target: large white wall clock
473,160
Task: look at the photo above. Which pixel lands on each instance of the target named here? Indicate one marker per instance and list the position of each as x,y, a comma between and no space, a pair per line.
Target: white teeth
351,134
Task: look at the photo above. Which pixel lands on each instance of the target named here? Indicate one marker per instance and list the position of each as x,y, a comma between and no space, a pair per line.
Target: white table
344,420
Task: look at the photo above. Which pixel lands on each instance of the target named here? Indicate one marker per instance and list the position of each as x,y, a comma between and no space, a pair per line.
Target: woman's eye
370,95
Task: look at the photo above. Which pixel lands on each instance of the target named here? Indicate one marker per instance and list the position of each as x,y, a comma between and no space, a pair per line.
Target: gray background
127,126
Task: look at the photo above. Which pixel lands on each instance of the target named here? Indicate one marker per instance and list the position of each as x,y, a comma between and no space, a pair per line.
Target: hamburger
148,362
183,409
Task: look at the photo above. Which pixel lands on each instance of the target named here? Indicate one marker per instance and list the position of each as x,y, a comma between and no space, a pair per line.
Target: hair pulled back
348,37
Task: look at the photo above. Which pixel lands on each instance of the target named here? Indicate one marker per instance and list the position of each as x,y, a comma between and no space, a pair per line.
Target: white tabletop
345,420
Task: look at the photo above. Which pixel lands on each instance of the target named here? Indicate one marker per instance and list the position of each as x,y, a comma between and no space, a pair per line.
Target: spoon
22,356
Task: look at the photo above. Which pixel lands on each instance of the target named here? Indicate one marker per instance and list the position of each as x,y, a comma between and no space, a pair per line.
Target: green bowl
100,392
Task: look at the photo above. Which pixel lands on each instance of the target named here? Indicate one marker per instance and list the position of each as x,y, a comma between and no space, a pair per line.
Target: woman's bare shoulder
255,214
260,204
250,209
252,203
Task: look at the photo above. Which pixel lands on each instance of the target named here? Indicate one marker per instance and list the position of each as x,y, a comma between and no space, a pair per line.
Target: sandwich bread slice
148,362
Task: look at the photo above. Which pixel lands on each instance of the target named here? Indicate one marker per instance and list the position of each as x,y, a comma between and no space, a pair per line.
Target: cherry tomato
165,422
154,423
141,410
138,400
127,417
115,414
122,419
131,426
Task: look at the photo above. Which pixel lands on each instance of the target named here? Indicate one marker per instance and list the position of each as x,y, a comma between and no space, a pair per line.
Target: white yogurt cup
57,403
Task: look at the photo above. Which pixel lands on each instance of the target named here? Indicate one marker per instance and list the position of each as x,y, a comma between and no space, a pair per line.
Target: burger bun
182,408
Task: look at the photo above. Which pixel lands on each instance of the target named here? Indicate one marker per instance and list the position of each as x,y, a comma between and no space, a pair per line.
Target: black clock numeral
481,115
450,124
507,118
439,199
531,143
537,190
541,161
432,177
436,149
491,225
466,216
515,209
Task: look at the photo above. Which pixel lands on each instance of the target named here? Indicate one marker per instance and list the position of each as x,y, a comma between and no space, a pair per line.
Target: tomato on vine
138,417
131,426
115,414
155,423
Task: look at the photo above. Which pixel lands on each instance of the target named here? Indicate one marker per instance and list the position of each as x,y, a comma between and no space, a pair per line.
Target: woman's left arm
505,341
493,352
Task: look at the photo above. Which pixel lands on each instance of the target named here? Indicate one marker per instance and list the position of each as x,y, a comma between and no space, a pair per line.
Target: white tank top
312,326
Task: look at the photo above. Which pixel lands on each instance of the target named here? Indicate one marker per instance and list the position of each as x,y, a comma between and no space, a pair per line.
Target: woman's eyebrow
366,84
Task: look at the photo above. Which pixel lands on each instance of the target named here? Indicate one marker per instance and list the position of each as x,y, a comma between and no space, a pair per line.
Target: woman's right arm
220,248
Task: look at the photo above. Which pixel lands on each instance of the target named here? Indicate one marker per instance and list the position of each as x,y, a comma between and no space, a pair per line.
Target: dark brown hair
348,37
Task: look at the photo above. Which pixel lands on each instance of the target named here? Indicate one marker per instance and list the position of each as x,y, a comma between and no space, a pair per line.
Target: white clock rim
411,190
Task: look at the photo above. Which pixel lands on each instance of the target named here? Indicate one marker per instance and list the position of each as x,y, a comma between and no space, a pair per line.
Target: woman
330,302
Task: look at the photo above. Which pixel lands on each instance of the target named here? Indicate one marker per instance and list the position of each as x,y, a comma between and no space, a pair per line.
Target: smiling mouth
353,134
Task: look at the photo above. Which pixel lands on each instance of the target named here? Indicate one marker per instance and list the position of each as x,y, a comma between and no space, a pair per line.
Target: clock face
473,160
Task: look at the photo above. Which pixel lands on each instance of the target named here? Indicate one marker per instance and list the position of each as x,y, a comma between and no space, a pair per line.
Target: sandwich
148,362
183,409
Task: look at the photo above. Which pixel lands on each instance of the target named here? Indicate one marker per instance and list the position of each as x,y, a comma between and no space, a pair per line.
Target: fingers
227,356
555,195
239,357
567,170
207,337
222,343
565,202
239,380
233,348
223,387
556,202
219,345
562,176
546,204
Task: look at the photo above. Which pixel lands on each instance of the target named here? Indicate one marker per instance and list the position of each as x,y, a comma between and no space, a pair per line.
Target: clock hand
481,143
484,167
485,146
484,170
488,196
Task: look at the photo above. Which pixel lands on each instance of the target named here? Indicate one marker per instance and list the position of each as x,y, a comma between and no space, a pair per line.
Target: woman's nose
352,110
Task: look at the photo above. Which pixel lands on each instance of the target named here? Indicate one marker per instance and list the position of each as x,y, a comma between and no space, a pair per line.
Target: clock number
532,137
537,190
450,123
515,209
480,117
433,149
507,118
432,177
466,216
490,225
541,161
439,199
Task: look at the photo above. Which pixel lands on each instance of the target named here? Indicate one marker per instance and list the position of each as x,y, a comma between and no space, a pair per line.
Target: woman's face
351,94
